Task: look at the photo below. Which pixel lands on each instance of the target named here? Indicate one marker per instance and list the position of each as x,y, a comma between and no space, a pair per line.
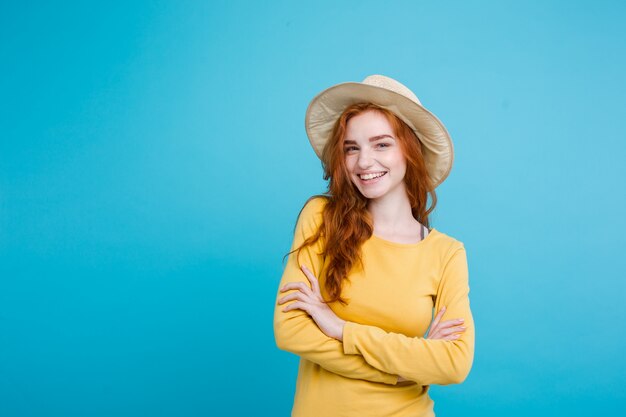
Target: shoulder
311,214
446,245
452,260
313,208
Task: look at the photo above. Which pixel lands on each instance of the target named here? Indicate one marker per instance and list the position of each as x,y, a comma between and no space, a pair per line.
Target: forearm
295,331
300,335
424,361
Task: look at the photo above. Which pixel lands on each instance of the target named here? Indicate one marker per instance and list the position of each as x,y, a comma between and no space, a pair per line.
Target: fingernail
461,320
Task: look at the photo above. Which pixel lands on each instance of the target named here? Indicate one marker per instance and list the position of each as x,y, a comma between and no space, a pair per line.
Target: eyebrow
372,139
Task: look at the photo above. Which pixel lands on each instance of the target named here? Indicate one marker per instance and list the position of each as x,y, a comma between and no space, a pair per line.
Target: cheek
349,161
400,165
399,162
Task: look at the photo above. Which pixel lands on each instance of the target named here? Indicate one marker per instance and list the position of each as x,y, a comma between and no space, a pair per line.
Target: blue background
153,161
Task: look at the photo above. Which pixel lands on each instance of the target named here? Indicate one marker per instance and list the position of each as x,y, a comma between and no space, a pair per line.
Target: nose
365,159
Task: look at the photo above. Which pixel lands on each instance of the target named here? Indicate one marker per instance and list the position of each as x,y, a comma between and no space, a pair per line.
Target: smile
371,176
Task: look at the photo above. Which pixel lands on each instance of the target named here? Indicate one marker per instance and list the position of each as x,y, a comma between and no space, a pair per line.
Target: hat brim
324,110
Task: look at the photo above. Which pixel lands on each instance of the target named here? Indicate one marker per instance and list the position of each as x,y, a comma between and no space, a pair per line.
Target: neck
391,213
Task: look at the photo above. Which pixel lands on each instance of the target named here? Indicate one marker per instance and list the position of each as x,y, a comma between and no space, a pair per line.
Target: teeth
371,176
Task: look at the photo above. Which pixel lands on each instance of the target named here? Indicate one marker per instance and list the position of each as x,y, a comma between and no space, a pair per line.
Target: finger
312,279
298,305
300,286
435,334
451,330
443,335
293,286
449,323
438,317
436,330
293,296
444,329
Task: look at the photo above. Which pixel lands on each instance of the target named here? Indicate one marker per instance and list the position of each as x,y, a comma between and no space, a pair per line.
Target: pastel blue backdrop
153,161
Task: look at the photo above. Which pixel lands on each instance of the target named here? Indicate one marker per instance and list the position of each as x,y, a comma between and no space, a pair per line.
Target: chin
372,194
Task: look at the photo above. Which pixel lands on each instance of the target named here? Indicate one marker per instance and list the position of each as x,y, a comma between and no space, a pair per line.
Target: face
373,156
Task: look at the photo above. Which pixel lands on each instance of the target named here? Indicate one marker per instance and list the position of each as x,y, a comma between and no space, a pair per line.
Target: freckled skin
383,154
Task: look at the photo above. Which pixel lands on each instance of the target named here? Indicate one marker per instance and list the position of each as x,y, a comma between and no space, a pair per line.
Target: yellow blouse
391,302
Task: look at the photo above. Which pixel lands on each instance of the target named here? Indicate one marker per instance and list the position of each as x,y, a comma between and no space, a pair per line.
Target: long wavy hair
346,223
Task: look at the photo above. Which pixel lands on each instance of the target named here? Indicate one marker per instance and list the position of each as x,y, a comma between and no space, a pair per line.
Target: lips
367,179
371,176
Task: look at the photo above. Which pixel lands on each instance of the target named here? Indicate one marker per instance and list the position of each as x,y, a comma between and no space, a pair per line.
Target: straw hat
327,106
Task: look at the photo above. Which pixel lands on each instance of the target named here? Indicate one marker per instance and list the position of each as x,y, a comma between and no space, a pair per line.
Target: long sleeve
425,361
296,332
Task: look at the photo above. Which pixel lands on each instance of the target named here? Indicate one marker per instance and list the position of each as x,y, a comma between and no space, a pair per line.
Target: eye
349,149
384,145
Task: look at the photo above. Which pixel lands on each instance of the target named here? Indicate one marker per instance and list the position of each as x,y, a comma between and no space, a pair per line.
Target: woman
366,272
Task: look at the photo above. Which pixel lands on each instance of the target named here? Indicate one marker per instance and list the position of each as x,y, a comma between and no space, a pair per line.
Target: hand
311,301
445,330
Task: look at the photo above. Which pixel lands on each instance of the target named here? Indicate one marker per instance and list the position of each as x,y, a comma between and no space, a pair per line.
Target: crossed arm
296,332
369,352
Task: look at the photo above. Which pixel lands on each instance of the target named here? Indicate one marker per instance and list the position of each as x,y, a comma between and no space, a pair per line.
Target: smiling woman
366,272
374,160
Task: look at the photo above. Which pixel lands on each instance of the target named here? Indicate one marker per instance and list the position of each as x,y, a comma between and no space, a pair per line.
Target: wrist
340,325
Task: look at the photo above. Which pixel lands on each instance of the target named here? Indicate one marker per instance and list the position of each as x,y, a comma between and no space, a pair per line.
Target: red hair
346,223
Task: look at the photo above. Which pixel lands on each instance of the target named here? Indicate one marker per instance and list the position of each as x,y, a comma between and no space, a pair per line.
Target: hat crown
325,109
387,83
